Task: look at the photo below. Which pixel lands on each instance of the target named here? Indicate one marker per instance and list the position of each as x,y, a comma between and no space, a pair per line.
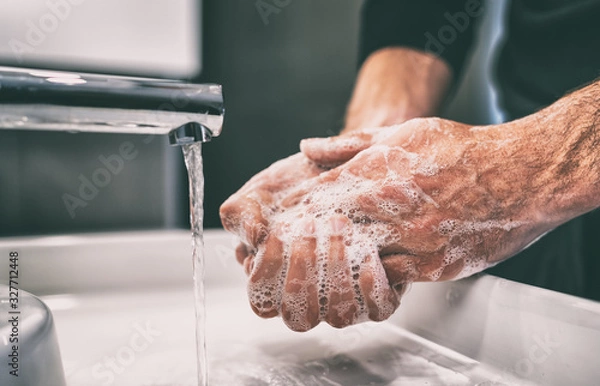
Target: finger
283,174
340,306
298,168
249,264
243,216
335,151
302,192
266,278
300,303
296,196
245,213
377,295
241,252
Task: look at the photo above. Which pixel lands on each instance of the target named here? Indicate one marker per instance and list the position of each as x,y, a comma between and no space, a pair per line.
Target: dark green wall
283,82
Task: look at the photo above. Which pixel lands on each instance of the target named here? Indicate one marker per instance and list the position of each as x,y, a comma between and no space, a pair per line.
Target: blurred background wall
159,38
285,77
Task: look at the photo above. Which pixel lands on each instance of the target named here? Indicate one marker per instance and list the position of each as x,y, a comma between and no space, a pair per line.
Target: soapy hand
424,201
439,200
288,278
247,212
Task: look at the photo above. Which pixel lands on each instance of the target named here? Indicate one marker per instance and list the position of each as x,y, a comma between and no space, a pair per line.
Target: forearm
563,140
397,84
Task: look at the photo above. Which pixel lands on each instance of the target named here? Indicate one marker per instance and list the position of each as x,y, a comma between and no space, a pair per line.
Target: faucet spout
73,102
189,133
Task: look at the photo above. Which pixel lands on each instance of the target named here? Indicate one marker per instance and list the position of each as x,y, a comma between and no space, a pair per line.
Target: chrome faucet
73,102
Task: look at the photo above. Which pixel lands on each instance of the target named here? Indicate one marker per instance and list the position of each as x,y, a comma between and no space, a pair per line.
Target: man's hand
427,200
289,278
423,201
437,199
247,212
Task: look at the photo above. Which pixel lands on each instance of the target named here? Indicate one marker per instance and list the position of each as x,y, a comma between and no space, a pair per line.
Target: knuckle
229,207
256,232
230,216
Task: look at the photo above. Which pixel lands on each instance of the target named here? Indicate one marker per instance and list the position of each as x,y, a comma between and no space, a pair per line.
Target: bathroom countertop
124,315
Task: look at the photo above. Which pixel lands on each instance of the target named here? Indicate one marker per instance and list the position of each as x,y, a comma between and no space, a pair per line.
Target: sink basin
28,343
124,313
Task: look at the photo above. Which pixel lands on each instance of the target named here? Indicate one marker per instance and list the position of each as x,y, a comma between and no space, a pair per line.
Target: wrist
561,142
577,166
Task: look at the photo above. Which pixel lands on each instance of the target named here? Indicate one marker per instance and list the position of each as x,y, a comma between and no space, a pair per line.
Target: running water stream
193,161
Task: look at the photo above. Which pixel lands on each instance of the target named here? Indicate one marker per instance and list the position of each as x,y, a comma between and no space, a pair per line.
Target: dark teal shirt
551,46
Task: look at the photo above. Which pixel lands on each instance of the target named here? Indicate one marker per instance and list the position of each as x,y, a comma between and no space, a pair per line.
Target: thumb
400,270
334,151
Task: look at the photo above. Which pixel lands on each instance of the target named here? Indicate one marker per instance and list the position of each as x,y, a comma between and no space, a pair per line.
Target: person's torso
551,48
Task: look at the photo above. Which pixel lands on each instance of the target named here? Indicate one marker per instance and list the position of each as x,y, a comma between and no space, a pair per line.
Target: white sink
124,314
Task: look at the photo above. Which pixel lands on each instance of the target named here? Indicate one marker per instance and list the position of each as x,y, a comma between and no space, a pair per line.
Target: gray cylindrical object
27,333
